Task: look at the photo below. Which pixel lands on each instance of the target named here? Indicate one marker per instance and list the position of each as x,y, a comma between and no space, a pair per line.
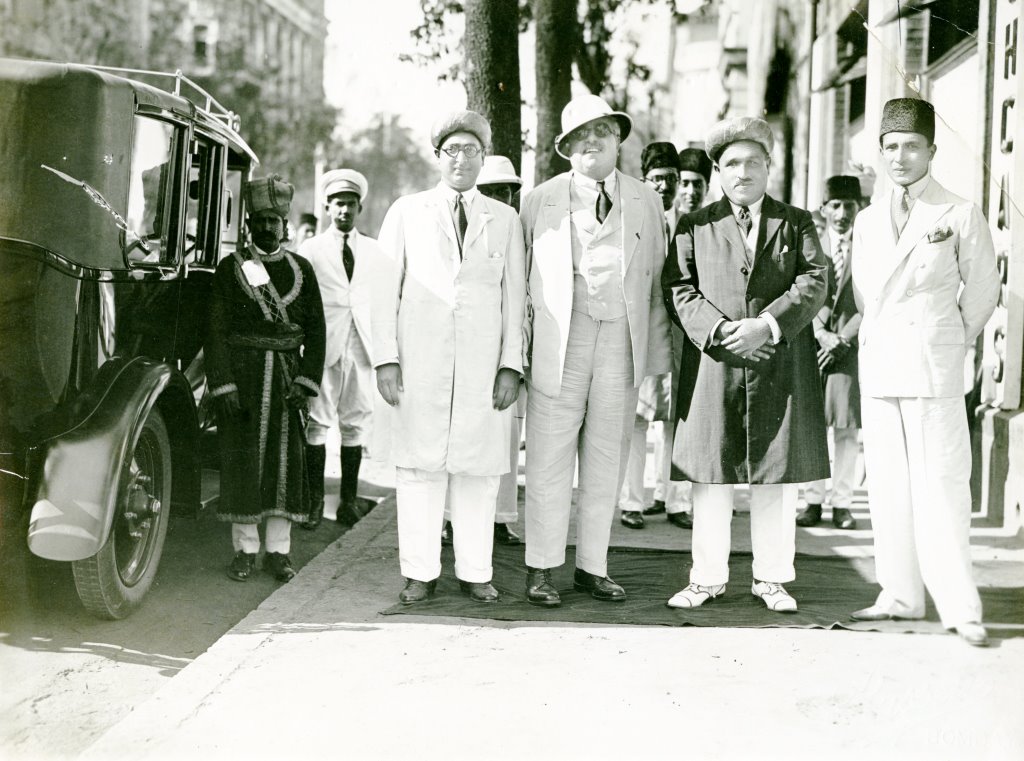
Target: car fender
76,499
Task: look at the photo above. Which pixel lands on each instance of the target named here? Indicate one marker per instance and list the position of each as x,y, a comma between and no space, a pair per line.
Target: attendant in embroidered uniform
498,180
596,328
744,278
343,259
835,329
925,280
660,165
447,316
265,357
694,176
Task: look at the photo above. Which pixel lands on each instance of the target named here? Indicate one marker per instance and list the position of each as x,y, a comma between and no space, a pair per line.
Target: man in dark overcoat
743,279
835,329
265,358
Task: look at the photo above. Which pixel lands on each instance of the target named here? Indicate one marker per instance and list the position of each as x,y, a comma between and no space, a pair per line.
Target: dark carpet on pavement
827,589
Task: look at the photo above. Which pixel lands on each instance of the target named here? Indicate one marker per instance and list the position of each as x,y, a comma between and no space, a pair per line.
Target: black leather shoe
600,587
279,565
316,514
479,591
446,534
682,519
655,509
242,566
503,534
842,518
632,519
348,513
416,591
539,589
810,516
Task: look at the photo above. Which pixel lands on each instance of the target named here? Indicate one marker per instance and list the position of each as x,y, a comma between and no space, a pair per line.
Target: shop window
950,23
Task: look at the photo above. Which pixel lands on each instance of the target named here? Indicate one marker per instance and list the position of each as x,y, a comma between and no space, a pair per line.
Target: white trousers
772,532
675,494
590,421
246,536
345,397
421,496
918,460
844,470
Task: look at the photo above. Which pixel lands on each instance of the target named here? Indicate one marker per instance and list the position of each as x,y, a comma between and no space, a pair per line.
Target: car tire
113,582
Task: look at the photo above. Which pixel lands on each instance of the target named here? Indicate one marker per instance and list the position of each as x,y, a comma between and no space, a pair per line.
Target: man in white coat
924,276
447,309
342,258
596,241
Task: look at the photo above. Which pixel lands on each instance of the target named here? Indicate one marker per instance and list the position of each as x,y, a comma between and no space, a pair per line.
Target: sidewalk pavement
317,672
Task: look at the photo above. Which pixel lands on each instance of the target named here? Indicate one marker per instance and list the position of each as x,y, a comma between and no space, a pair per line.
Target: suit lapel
479,216
931,205
632,219
771,220
443,217
726,229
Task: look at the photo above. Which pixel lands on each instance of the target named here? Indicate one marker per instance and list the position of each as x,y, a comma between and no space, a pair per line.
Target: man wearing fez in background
596,246
925,279
342,258
447,326
660,165
835,330
265,358
744,278
694,176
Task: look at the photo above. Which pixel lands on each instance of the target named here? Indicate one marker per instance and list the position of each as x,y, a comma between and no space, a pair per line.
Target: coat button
743,270
910,292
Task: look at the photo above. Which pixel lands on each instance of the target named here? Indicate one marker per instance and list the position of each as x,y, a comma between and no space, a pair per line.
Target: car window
150,192
204,197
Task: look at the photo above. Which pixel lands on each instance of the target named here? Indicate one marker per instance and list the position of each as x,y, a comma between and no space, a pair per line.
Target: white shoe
774,596
695,595
973,633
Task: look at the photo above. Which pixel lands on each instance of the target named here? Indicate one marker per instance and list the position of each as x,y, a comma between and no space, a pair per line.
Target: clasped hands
749,338
832,347
504,393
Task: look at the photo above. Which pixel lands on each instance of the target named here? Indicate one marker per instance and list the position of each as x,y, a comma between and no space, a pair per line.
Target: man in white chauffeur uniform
342,258
925,280
448,307
596,242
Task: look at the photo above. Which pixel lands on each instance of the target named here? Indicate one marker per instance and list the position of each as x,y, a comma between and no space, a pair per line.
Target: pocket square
939,234
496,255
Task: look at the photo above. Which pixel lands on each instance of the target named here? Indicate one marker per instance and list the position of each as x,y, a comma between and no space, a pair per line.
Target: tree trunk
556,27
492,72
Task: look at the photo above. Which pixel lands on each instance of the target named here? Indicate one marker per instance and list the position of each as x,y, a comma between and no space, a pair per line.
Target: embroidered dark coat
259,342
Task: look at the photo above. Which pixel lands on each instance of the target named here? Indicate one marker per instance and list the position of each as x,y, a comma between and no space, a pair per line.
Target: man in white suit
596,243
447,318
925,279
342,258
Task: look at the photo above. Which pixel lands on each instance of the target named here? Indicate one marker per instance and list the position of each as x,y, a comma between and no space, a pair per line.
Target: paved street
342,681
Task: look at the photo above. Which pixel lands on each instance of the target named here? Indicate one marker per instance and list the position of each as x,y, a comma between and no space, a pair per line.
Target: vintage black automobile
117,200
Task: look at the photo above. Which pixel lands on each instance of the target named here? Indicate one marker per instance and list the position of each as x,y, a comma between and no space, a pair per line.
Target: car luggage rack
212,107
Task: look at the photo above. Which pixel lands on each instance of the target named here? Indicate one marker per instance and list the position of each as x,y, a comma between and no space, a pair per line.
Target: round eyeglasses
469,151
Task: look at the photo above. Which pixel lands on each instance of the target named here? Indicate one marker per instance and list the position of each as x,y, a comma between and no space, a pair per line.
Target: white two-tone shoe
774,596
695,595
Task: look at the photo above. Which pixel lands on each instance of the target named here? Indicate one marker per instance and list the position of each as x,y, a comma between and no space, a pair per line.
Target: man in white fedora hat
341,257
595,242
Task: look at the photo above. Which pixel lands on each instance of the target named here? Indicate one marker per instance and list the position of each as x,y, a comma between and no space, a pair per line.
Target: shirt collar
915,188
588,182
834,237
754,208
265,254
449,194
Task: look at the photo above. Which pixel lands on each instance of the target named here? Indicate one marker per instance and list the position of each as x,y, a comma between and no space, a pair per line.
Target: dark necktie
744,220
604,202
346,256
902,212
463,223
839,260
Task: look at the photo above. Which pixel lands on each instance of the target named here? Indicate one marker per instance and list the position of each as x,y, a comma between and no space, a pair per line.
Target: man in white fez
744,278
659,162
596,243
447,315
343,260
835,330
265,358
925,279
694,176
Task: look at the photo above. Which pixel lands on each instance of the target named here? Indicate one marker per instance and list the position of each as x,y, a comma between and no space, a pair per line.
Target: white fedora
498,170
587,108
